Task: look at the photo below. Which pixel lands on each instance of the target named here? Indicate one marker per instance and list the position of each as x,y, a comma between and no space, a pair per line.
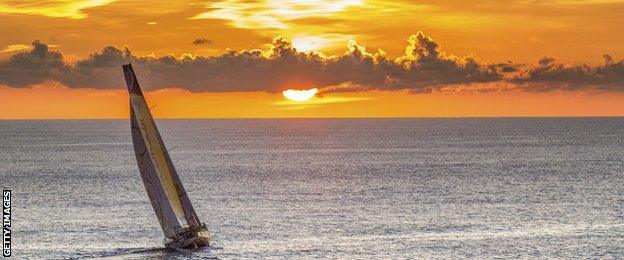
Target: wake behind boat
178,220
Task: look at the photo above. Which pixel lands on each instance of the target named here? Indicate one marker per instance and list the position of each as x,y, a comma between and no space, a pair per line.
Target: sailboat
178,220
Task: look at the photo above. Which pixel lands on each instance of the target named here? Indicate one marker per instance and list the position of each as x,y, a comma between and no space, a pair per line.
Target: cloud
60,8
32,67
201,41
15,48
272,14
549,75
423,68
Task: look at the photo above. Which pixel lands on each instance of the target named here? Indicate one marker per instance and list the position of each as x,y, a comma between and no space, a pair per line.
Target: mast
169,200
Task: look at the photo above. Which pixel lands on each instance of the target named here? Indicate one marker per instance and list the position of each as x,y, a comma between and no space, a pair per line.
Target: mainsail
171,204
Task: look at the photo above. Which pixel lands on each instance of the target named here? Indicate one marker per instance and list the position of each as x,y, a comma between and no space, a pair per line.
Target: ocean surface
328,188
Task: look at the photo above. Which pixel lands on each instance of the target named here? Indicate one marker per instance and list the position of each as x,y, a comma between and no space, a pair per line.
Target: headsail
162,183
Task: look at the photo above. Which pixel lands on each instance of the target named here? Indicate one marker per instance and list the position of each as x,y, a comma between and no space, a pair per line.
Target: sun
299,95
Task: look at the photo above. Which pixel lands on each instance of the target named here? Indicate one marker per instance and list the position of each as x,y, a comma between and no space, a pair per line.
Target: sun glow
299,95
273,14
309,43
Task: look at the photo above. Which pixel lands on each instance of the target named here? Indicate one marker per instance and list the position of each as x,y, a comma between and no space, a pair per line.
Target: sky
366,58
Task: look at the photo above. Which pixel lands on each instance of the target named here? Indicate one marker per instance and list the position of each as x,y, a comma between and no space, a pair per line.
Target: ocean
326,188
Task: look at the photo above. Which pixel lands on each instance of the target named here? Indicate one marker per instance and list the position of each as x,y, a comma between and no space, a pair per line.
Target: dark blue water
330,188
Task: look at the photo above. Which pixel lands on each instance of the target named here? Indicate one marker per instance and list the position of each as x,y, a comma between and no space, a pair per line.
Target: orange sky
573,31
54,101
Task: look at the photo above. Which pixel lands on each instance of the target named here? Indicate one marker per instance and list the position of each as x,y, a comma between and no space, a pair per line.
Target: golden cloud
59,8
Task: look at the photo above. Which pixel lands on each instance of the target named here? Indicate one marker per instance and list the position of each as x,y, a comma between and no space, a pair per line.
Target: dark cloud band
423,68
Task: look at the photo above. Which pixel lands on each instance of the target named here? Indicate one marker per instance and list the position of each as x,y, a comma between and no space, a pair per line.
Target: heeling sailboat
171,204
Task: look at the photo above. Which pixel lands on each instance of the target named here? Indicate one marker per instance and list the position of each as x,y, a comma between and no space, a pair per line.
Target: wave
148,252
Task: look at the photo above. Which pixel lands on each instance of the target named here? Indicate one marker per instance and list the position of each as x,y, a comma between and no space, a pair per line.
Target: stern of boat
190,239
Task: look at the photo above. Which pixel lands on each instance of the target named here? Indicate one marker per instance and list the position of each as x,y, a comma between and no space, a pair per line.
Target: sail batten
169,200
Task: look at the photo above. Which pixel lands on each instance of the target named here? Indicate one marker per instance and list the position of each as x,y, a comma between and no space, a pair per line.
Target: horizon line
363,117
